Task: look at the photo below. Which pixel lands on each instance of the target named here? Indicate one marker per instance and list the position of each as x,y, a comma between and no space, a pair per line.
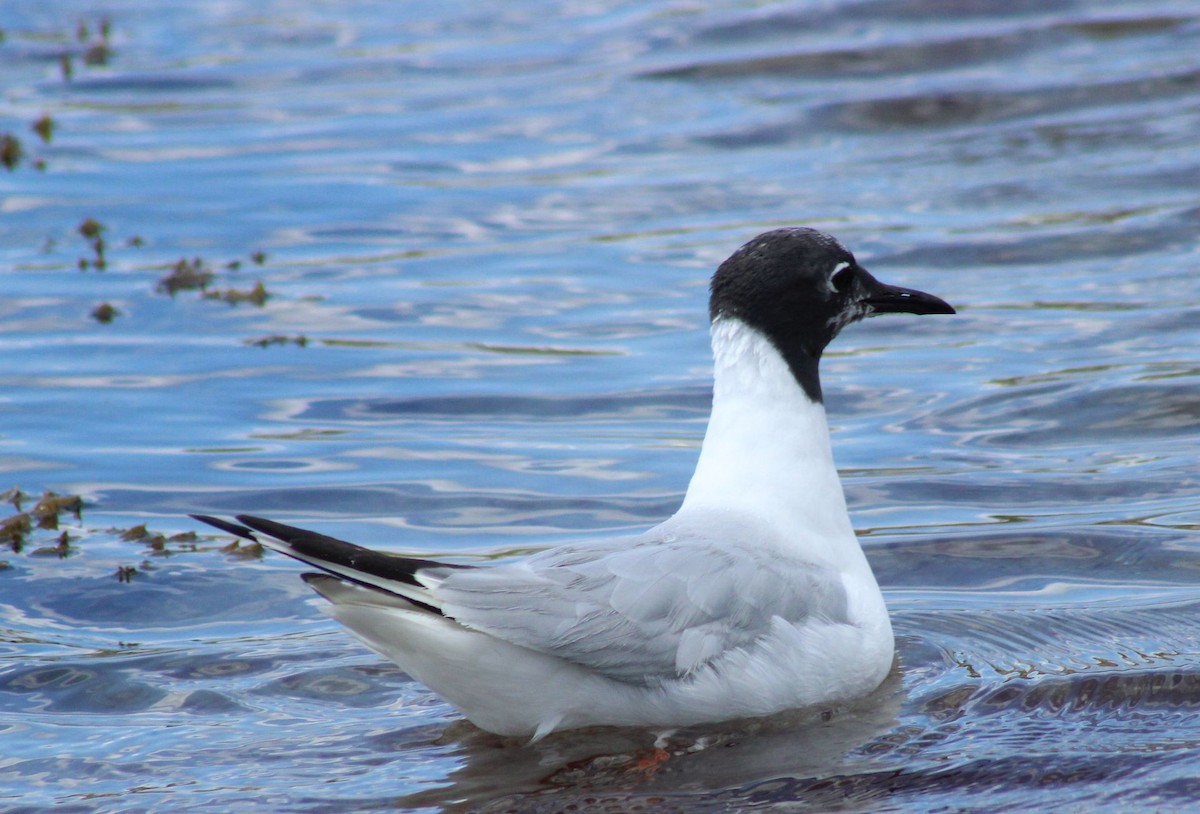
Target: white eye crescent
839,276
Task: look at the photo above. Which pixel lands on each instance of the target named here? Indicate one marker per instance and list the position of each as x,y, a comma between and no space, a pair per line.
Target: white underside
512,690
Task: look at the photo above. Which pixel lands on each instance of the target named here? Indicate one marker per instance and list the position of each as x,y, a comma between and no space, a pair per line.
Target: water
487,233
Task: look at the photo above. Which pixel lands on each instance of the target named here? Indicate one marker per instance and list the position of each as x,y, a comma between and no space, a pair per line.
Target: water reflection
599,767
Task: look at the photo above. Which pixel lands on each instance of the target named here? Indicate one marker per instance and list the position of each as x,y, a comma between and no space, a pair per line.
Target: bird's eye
842,278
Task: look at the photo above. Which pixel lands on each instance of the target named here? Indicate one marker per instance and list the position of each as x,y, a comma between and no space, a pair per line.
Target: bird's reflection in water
605,766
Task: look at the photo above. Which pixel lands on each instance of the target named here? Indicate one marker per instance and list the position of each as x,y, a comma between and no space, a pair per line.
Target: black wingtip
225,525
320,549
282,531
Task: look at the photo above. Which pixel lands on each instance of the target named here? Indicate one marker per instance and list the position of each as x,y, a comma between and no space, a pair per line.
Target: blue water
486,231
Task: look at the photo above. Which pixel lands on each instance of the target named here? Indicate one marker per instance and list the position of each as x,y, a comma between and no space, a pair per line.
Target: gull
754,598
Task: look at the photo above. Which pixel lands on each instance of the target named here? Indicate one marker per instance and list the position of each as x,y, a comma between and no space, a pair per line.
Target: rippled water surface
483,233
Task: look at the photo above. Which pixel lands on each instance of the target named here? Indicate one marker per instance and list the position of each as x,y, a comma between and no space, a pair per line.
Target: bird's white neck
767,452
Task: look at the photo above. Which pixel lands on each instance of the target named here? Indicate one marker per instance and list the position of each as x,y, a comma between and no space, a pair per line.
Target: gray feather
648,608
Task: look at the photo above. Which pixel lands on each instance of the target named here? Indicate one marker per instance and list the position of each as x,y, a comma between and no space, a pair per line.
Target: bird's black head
799,288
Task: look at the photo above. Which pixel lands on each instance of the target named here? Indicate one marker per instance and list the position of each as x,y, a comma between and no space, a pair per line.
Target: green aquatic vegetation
257,295
13,496
258,258
13,530
51,505
91,43
35,534
135,533
44,127
194,274
103,30
105,313
91,228
161,544
92,231
98,53
11,151
61,548
186,275
155,541
279,339
44,515
253,551
158,542
98,50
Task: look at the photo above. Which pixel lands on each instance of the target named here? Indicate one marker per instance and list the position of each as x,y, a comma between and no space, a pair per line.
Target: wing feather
642,609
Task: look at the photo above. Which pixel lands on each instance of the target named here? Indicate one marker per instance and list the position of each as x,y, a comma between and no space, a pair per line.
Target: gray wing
642,609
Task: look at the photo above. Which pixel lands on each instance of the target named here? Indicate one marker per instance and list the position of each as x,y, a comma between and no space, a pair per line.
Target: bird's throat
767,450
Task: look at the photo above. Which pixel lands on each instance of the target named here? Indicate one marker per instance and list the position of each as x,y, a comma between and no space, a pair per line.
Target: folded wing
641,610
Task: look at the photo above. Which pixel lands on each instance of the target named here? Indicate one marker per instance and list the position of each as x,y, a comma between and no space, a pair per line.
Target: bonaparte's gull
754,598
